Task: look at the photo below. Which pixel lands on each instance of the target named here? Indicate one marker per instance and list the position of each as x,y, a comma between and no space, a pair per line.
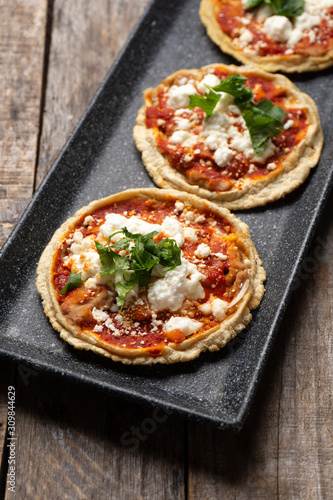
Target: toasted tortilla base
295,167
290,64
190,348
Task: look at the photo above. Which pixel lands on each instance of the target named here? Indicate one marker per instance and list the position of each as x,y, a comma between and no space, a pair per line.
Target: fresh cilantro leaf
263,120
287,8
123,288
136,268
121,244
142,254
207,102
235,86
111,260
251,4
169,254
74,281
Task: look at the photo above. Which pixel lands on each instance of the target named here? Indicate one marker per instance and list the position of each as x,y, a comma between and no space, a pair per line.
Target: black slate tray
99,159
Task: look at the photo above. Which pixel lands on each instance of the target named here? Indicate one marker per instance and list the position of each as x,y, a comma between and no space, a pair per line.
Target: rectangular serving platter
100,158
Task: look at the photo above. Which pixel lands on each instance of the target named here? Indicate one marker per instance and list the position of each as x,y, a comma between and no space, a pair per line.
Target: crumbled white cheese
174,229
219,309
155,322
245,38
109,324
240,141
278,27
223,155
224,136
288,125
184,138
306,21
183,111
98,328
225,103
115,222
183,80
263,12
234,109
200,219
295,36
88,220
120,319
99,316
203,251
289,52
205,308
182,124
179,206
210,80
77,240
186,325
312,36
216,139
216,121
91,283
170,291
316,7
190,234
179,95
221,256
271,166
189,215
83,257
244,20
293,30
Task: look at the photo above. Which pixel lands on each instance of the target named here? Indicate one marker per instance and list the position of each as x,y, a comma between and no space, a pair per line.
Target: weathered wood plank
244,466
22,29
306,407
7,374
86,38
73,442
286,447
76,443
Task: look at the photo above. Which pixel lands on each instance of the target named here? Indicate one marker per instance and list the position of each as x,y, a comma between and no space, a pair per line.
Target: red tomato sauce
228,19
141,334
201,169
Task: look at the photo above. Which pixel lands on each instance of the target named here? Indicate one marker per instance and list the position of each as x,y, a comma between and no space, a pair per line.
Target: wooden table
73,443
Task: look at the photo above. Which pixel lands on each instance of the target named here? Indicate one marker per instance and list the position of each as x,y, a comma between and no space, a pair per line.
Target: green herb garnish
206,102
74,281
287,8
235,86
137,266
263,119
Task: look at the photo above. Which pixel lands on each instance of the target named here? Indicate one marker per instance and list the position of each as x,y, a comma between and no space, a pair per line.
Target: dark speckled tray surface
99,159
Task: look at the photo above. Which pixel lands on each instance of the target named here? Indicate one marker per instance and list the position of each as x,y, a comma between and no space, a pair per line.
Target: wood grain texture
22,29
285,449
7,378
78,443
86,37
74,443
